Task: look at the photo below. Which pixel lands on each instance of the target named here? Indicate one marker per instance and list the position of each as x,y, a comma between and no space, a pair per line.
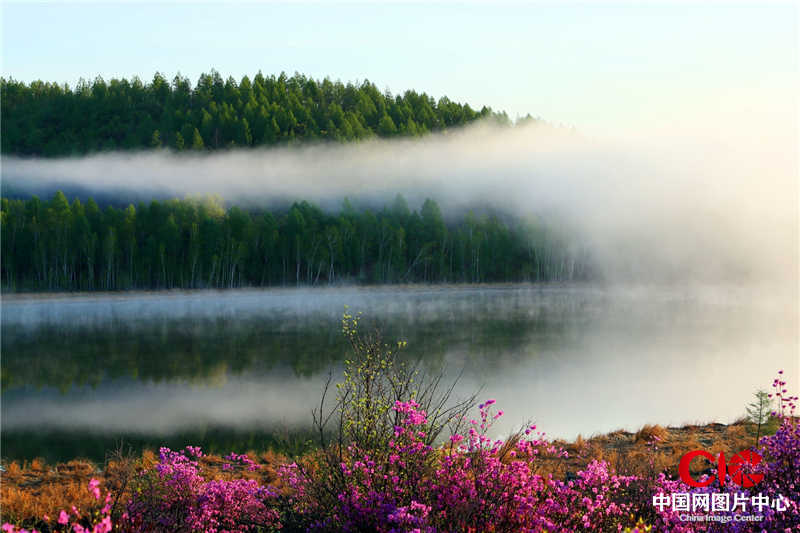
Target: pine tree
197,141
759,411
386,126
155,140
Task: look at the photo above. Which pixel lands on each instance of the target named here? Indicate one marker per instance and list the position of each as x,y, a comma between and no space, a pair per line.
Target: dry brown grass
32,490
655,448
509,445
649,434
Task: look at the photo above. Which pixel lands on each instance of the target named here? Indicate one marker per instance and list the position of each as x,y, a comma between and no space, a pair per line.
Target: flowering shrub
173,496
782,468
474,483
241,460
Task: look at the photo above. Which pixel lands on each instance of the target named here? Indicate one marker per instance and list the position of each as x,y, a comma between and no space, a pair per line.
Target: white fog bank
702,203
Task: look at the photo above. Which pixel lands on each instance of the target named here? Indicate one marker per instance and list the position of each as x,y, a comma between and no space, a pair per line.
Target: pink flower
104,526
93,488
63,518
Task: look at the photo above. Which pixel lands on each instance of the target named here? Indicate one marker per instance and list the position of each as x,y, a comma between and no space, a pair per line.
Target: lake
242,369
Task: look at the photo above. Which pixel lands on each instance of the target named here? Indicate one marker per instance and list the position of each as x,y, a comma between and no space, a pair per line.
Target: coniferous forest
53,244
195,243
49,119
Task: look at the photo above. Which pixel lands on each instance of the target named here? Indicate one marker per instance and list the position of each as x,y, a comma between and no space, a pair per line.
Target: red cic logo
735,468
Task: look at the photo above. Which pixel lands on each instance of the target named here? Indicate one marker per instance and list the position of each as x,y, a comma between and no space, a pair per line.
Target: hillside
50,119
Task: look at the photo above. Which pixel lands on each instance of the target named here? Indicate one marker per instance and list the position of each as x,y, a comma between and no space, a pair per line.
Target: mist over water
654,206
573,358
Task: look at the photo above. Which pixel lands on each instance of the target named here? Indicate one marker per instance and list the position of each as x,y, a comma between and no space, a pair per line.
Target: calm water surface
238,369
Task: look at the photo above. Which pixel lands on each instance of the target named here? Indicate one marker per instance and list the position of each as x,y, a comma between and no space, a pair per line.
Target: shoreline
12,296
619,447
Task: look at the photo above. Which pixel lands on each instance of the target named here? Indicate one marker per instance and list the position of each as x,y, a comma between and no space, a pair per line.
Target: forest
198,243
49,119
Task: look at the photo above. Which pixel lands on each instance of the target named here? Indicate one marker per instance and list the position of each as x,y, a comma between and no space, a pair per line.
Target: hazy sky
595,66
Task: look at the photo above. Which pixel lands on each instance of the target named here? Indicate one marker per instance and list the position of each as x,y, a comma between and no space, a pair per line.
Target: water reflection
577,359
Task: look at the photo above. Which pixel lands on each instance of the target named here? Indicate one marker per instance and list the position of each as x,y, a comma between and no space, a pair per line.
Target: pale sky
594,66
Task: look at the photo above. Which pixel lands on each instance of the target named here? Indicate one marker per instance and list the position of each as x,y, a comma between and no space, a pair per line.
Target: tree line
49,119
196,243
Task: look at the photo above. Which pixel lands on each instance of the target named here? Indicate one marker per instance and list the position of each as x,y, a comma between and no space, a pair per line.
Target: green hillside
49,119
